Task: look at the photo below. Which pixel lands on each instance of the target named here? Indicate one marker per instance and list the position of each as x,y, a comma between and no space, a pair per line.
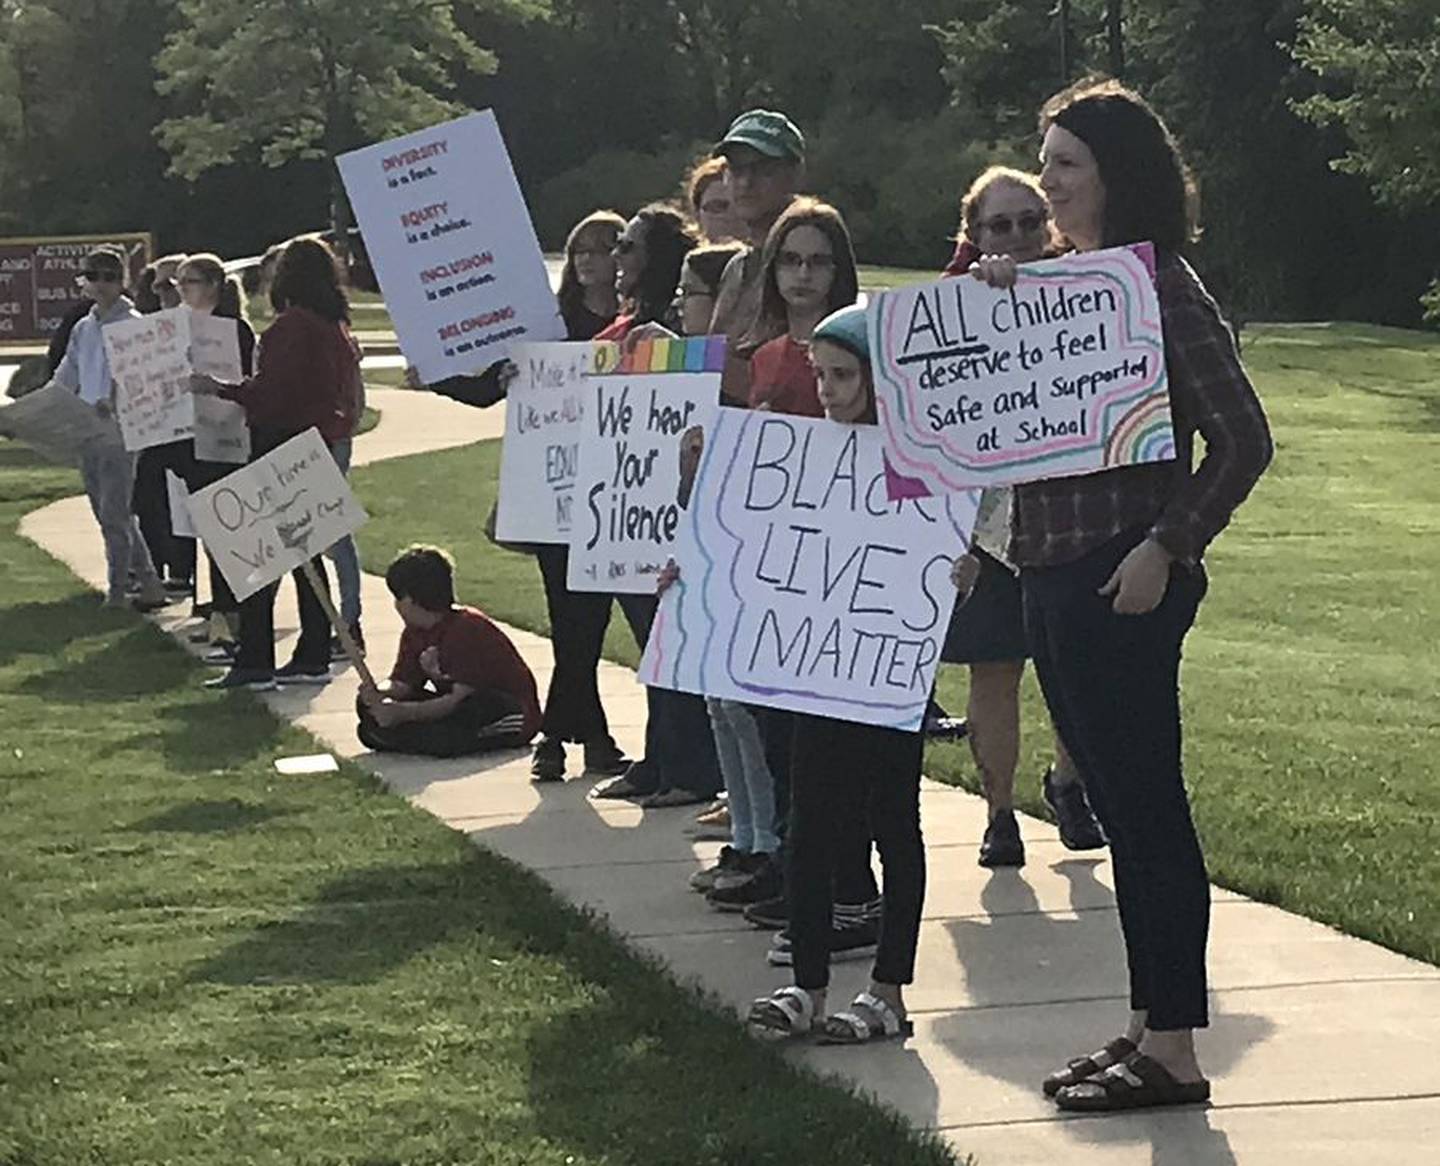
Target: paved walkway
1323,1049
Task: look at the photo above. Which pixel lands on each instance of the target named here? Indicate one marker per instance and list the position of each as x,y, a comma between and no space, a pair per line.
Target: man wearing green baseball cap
764,154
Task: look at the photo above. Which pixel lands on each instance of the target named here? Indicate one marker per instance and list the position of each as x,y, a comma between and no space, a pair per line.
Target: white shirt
85,368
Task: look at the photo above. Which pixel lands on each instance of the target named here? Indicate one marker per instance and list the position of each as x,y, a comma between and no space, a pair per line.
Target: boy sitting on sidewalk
458,685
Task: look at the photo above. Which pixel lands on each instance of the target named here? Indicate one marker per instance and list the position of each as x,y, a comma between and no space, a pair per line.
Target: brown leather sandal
1119,1050
1139,1083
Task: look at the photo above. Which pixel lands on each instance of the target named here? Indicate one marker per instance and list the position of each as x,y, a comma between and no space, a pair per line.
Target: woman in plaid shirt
1111,571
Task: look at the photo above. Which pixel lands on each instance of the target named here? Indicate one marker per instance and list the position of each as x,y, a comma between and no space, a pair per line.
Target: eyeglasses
757,167
793,261
1028,222
193,279
101,275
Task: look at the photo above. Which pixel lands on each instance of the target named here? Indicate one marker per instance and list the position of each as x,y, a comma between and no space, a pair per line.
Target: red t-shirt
473,652
782,377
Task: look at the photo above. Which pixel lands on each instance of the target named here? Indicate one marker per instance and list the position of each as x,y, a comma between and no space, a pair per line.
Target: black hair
669,237
425,575
307,275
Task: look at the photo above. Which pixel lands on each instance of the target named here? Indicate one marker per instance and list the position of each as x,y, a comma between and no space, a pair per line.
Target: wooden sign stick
352,649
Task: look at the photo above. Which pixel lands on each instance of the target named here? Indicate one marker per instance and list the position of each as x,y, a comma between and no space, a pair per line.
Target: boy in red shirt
458,685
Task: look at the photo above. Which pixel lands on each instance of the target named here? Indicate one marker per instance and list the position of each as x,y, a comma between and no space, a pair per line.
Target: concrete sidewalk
1322,1051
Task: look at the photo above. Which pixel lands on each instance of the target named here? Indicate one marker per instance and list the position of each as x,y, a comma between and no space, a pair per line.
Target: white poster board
221,434
1062,374
179,496
802,586
265,519
626,511
451,242
539,461
150,362
55,423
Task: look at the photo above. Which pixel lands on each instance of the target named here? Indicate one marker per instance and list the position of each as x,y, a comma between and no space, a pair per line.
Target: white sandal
880,1022
783,1015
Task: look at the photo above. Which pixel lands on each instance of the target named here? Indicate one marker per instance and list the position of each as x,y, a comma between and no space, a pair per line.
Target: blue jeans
108,470
741,752
343,554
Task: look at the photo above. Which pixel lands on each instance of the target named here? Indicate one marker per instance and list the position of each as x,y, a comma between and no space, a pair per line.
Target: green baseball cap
772,134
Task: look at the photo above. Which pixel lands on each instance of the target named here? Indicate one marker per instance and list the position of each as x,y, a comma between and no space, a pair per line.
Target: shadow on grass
36,628
644,1072
138,663
212,817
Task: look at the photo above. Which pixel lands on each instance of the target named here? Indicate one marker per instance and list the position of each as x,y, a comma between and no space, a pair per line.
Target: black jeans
462,732
173,557
1113,686
578,620
839,769
679,743
257,625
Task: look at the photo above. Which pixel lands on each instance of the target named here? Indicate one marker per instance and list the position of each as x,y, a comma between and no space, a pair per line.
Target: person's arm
246,337
284,377
482,391
435,709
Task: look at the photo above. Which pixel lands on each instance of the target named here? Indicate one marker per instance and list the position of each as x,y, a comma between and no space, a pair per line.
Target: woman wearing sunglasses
1005,213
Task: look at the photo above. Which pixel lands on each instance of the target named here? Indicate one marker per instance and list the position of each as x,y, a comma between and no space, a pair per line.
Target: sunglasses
101,275
1027,222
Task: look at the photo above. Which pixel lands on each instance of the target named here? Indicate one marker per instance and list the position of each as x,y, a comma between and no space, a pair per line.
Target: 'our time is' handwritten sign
264,520
1062,374
626,507
802,586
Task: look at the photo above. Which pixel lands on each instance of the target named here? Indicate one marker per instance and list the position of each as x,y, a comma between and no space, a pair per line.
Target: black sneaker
222,652
548,762
770,915
1079,828
604,758
762,885
1002,845
848,941
946,728
297,673
251,678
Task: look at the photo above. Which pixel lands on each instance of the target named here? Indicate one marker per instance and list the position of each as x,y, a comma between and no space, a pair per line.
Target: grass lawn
1310,681
204,962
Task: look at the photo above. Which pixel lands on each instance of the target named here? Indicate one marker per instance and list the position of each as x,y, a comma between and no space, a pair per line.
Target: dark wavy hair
308,275
424,574
773,318
1150,193
669,237
607,225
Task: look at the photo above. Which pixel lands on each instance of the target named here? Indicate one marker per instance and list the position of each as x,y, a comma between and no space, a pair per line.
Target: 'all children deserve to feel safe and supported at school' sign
452,245
1062,374
802,585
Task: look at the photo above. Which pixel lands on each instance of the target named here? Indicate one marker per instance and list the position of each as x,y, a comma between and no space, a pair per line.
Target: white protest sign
451,242
269,517
539,461
801,585
55,423
150,363
221,434
626,509
179,496
1062,374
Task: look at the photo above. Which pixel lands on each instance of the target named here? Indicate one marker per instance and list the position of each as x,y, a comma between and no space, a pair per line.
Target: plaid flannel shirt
1182,506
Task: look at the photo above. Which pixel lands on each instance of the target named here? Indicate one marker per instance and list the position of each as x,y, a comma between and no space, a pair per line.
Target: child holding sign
458,685
839,768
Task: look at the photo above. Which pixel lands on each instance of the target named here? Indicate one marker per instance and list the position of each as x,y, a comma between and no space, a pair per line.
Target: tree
280,80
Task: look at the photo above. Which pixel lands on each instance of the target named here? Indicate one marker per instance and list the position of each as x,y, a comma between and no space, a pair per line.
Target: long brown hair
307,275
773,318
230,302
607,224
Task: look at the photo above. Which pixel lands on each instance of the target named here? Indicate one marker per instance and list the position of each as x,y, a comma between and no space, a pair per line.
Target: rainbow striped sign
1062,374
663,354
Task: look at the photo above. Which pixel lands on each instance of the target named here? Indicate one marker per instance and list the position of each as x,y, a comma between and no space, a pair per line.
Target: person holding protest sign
764,154
708,196
207,290
1005,213
1111,574
458,685
107,467
305,379
838,769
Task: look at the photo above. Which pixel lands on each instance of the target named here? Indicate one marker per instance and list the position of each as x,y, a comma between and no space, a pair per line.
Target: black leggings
578,620
1113,686
840,769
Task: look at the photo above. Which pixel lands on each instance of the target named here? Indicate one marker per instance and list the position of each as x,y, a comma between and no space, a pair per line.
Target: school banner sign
452,244
802,586
1062,374
267,518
